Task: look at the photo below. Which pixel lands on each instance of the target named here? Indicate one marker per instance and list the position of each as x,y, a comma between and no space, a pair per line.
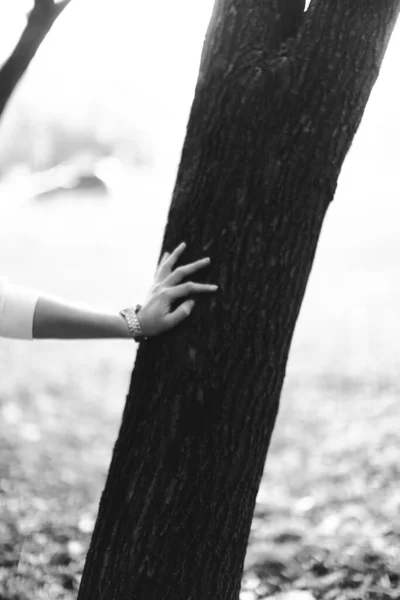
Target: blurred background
89,149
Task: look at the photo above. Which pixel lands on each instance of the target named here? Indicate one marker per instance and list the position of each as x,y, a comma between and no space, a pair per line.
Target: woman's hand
155,316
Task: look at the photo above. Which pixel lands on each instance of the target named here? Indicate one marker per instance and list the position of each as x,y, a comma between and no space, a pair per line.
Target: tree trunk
270,126
39,23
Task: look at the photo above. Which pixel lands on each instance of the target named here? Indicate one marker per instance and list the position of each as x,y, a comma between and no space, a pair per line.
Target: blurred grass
327,508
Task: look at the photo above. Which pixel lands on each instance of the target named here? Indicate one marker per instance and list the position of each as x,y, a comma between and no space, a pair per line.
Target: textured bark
271,123
39,23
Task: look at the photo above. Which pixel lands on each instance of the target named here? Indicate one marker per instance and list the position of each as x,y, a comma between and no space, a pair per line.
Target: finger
173,257
181,313
164,257
190,288
159,270
182,272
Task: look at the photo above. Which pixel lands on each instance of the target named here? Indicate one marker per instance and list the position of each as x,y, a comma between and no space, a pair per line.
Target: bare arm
57,319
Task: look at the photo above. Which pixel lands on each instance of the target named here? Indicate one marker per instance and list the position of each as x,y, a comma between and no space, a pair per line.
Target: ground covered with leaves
326,523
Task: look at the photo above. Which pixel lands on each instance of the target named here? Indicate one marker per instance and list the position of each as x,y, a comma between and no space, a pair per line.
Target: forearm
56,319
27,314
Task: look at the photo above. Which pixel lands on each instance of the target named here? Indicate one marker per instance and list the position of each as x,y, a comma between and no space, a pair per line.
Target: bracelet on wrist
130,316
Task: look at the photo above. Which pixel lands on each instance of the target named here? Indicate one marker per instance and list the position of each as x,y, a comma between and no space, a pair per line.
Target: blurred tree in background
39,22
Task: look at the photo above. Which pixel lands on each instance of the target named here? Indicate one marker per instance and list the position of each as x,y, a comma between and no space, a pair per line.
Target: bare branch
39,23
335,21
328,39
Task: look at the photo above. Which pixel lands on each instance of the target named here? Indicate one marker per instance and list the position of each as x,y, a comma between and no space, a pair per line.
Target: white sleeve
17,308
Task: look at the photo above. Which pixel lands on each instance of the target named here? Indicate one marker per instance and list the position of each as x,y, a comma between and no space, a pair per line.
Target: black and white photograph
199,300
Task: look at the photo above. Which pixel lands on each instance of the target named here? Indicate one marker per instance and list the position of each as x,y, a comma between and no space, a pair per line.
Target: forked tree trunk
39,22
268,132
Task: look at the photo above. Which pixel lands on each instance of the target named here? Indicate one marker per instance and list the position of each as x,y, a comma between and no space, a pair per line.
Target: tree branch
39,22
327,43
331,20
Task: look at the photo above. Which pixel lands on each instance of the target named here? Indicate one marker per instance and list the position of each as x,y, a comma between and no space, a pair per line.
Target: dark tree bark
271,123
39,23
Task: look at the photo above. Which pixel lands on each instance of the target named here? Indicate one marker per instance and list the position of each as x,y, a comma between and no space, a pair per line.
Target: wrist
133,323
122,327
